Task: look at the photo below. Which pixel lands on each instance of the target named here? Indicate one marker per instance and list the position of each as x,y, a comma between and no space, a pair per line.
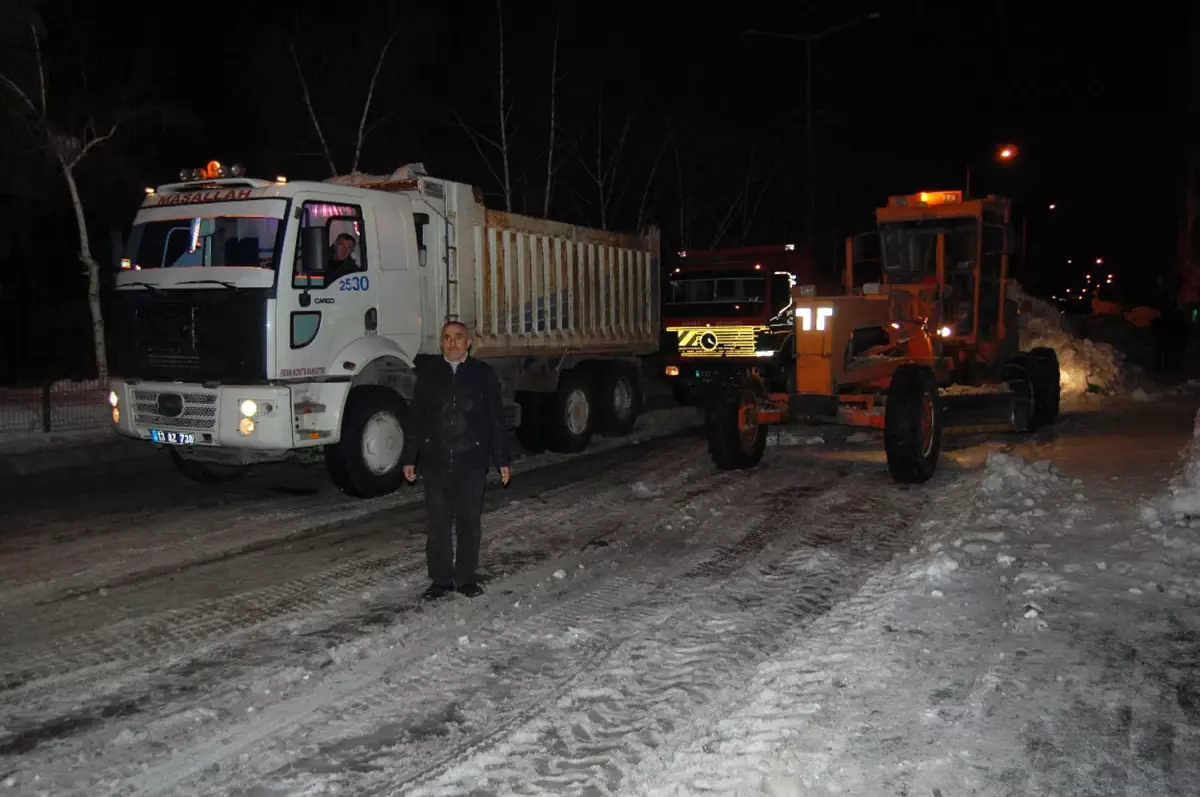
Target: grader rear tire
912,433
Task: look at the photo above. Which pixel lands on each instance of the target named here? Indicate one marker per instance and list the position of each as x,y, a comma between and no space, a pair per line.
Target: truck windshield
716,294
237,241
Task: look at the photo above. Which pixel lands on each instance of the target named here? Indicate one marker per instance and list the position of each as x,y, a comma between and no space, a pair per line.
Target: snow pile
1086,366
409,171
1182,502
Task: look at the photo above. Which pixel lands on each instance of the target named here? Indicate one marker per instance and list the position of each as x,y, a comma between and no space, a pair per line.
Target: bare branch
12,85
553,111
684,232
41,70
505,110
641,214
477,137
362,122
312,114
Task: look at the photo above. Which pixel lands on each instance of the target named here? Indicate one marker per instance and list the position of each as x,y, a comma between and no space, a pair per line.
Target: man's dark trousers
454,496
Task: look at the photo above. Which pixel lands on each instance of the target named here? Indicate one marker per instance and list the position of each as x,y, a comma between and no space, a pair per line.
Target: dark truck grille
190,335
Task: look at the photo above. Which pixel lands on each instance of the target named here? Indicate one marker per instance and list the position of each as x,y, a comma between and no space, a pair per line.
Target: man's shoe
470,590
436,590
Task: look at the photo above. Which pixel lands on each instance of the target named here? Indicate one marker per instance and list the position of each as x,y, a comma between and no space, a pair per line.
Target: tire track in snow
411,700
651,685
85,656
209,525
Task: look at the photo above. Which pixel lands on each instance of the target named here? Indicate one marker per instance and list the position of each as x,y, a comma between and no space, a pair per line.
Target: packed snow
652,626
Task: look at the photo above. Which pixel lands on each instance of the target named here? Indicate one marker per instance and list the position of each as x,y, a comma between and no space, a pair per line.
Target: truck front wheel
365,463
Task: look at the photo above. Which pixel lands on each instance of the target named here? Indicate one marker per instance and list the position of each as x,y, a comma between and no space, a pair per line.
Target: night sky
1094,100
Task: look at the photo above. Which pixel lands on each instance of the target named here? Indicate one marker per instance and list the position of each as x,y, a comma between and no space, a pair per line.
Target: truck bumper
175,414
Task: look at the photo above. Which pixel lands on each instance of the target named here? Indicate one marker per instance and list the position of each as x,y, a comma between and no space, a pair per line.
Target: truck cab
729,309
256,320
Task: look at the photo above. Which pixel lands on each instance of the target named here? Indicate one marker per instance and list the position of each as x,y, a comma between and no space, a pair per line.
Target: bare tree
503,177
67,150
685,231
604,173
550,164
745,204
364,131
641,214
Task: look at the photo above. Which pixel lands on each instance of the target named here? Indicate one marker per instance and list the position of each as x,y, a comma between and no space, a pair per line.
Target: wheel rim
578,412
622,398
926,425
748,421
382,443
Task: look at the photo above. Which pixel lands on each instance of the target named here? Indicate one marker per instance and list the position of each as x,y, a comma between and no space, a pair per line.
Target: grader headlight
811,318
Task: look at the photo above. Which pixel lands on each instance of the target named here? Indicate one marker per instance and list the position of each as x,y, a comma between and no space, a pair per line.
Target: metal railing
62,406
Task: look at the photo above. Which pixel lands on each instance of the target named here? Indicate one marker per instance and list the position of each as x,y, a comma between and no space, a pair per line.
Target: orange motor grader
935,315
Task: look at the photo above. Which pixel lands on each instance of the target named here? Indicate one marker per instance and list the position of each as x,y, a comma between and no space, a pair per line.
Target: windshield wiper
222,283
146,285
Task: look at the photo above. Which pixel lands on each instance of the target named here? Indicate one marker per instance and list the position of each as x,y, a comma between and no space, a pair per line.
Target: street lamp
808,39
1006,153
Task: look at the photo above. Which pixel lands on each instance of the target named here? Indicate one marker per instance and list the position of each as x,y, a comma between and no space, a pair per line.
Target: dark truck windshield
729,294
246,241
910,247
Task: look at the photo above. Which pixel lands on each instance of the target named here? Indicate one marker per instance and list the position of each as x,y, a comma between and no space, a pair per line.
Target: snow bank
1085,365
408,171
1182,502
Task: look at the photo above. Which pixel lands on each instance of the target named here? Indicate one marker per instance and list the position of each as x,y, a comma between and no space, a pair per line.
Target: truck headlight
249,408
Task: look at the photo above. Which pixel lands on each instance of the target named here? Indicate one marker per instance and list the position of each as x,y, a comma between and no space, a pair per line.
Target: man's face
343,248
455,343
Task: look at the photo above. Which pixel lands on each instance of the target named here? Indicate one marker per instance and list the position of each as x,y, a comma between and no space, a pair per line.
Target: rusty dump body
939,315
730,309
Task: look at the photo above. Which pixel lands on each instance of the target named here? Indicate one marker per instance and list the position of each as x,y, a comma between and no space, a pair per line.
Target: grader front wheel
912,434
736,439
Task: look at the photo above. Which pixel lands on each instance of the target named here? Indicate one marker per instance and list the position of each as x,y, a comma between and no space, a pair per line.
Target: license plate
173,438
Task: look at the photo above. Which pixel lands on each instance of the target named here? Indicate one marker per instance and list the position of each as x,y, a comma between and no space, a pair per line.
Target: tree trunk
93,275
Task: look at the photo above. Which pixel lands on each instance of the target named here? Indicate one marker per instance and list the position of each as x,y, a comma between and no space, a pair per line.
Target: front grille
199,411
717,341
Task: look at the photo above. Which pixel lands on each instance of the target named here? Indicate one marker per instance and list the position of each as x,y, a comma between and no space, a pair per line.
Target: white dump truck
260,319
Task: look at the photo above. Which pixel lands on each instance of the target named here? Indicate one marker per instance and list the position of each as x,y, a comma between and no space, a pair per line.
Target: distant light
758,266
1089,276
1068,290
946,332
1110,276
1099,261
1069,261
789,247
281,179
149,191
1053,206
1007,152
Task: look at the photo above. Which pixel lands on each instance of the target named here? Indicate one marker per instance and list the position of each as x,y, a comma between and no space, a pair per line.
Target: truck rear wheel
573,419
736,440
619,396
912,432
1047,385
205,472
365,463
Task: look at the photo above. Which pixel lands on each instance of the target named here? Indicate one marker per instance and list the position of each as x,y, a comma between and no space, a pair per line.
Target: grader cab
936,314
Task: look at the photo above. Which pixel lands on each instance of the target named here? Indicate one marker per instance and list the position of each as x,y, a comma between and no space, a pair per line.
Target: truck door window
344,241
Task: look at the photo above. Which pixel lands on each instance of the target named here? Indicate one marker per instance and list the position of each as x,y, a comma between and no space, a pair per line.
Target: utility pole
808,39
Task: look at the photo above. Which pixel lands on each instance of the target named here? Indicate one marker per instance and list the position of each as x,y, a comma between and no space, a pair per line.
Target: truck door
330,308
401,276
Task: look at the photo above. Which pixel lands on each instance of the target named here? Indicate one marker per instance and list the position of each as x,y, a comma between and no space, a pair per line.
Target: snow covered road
650,626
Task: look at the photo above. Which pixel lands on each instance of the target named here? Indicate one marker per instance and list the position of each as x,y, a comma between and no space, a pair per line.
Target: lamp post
808,39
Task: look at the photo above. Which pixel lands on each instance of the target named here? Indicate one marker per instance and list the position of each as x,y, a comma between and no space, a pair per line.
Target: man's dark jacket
456,418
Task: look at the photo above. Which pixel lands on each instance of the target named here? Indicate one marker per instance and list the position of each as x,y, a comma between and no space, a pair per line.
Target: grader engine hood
830,332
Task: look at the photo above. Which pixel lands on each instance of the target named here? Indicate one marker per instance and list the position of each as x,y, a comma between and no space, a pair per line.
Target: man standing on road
455,429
